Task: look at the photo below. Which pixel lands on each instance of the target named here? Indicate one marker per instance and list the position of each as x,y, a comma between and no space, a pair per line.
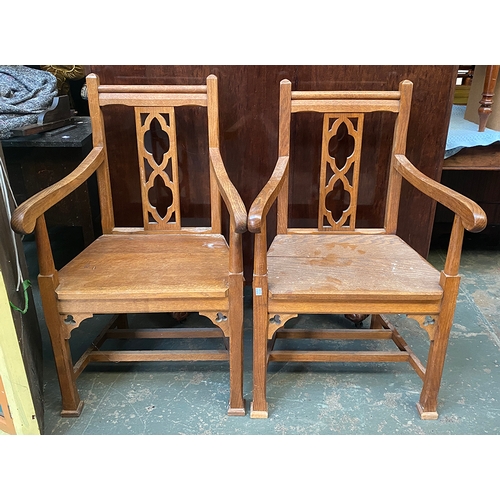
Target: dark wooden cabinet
249,139
474,172
37,161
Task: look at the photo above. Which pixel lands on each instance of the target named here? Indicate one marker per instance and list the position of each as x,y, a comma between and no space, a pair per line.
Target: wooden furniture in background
159,266
463,84
57,115
475,173
249,96
341,268
486,102
478,96
37,161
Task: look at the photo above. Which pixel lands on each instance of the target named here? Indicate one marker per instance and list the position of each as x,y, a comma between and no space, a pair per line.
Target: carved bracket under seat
427,322
219,319
71,321
277,321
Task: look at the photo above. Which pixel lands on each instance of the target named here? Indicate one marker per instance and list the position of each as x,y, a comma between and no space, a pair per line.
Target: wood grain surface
333,266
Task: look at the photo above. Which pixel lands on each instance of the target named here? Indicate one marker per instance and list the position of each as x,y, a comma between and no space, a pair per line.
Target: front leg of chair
260,324
71,404
427,406
235,318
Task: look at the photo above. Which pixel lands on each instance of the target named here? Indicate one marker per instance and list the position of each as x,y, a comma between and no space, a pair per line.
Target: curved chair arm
268,194
472,215
25,216
231,197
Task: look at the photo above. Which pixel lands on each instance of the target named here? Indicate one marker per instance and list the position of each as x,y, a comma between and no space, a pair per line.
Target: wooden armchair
160,267
339,268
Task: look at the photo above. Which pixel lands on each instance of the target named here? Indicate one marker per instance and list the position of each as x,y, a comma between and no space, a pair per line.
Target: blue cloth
465,134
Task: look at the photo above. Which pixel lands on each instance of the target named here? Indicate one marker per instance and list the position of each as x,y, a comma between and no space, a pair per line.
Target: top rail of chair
150,89
345,94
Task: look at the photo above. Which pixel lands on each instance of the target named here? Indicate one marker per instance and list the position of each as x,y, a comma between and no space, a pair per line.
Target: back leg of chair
376,322
59,336
427,405
121,321
235,318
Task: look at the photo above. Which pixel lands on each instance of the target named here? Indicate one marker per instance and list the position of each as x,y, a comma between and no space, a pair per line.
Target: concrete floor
304,399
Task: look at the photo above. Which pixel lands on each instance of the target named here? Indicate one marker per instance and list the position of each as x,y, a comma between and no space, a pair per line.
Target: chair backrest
341,144
155,124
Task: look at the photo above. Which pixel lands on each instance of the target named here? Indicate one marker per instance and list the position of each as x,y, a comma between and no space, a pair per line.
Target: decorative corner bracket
427,322
71,321
277,321
219,319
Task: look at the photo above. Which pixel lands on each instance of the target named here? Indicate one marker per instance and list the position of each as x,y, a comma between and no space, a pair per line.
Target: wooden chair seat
145,268
350,269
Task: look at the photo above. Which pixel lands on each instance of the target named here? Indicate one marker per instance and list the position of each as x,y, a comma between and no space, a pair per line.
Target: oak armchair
159,267
340,268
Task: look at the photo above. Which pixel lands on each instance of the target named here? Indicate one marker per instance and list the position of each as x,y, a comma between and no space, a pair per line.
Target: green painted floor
304,399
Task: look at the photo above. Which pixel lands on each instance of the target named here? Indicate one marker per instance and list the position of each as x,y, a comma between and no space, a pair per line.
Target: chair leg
236,401
376,322
427,405
235,317
259,407
71,404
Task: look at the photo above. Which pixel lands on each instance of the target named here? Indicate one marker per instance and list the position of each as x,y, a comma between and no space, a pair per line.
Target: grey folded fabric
24,94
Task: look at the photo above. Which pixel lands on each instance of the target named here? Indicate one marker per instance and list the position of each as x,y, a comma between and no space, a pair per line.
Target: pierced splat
340,157
160,196
157,150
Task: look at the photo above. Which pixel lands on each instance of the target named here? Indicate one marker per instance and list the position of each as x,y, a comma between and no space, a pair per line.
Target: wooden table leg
490,81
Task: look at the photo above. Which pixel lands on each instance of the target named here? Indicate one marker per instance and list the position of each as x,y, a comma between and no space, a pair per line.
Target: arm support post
231,197
260,207
236,209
